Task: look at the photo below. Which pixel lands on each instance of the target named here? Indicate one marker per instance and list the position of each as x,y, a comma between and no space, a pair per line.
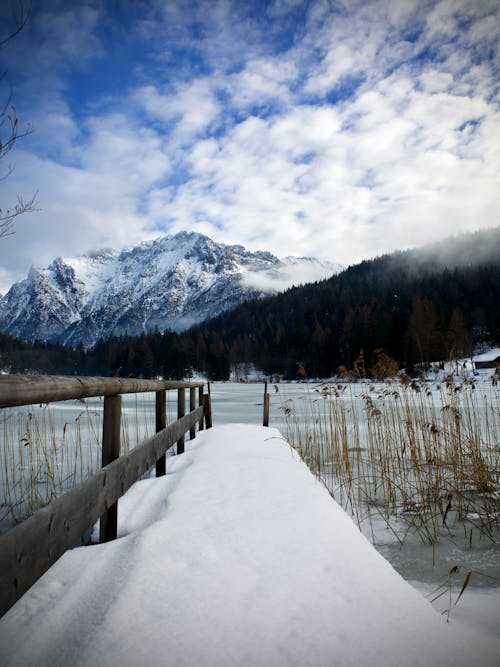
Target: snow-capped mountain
170,283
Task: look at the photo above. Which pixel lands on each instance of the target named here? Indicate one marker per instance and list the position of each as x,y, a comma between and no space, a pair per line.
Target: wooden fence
28,550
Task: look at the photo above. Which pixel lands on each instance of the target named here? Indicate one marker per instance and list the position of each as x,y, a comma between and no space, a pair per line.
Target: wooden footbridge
28,550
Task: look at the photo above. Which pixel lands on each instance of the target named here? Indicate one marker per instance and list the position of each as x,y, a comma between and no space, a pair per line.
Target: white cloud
400,172
246,143
125,152
58,39
96,204
340,62
69,34
189,109
261,84
286,276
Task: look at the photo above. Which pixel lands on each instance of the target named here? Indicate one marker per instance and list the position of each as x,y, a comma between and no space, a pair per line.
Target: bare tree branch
10,132
7,217
22,16
9,123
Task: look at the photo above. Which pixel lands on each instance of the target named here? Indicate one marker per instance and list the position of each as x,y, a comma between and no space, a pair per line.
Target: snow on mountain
169,283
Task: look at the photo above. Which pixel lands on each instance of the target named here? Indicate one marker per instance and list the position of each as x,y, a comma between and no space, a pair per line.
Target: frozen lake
58,446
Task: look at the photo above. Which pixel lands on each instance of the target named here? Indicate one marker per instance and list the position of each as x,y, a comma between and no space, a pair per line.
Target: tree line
386,308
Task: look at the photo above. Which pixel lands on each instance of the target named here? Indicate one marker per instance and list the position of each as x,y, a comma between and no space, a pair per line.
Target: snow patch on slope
171,282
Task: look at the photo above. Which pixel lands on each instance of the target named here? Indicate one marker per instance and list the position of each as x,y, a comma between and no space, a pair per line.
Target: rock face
170,283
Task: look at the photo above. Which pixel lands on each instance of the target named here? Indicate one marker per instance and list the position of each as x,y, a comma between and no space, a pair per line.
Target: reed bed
424,459
49,449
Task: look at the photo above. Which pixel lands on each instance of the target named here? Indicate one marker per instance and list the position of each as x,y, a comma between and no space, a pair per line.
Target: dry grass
49,449
423,458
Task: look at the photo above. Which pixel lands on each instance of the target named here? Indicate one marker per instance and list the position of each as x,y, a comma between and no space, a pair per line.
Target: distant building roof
488,363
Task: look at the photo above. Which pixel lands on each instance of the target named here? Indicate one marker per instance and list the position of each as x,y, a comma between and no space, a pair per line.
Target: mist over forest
434,303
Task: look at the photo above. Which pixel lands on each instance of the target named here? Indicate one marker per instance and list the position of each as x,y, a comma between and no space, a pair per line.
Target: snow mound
238,556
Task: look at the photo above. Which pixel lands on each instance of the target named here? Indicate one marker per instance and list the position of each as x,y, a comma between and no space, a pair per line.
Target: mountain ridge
171,282
414,307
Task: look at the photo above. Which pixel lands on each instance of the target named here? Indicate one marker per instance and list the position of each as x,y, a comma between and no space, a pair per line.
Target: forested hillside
416,317
418,306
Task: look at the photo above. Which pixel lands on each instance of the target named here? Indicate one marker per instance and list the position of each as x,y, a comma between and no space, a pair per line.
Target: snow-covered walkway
238,556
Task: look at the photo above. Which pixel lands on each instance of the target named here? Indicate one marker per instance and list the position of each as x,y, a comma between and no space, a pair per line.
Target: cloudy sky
339,129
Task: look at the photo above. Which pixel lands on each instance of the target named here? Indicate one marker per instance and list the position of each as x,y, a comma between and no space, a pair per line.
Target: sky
337,129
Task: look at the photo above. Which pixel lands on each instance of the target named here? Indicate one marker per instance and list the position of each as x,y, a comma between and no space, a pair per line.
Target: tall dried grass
425,459
49,449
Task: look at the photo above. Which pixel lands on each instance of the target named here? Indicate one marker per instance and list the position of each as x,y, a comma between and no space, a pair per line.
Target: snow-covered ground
437,371
465,368
238,556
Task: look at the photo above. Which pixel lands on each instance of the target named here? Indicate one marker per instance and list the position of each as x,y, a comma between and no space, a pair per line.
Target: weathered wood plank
265,416
192,406
110,451
29,389
28,550
161,422
181,411
207,410
200,402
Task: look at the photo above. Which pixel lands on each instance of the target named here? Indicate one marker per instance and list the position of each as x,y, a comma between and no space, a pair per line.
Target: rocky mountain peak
169,283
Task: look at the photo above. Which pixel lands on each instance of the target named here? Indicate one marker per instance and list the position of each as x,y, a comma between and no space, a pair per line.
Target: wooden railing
28,550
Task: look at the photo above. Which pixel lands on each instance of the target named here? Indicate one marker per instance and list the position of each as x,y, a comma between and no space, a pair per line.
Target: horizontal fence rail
27,389
28,550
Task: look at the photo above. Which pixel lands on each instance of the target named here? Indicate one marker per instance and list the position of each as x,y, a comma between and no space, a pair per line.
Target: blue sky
337,129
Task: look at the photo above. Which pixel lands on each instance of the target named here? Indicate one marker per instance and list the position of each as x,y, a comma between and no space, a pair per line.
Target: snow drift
238,556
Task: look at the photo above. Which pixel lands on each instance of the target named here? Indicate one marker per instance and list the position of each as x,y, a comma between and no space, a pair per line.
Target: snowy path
238,556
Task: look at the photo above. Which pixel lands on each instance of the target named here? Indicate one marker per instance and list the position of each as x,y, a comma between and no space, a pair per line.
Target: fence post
207,410
110,451
161,422
200,402
192,406
28,550
181,411
265,419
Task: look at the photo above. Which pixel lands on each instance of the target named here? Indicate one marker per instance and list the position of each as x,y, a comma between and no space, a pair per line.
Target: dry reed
425,459
49,449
